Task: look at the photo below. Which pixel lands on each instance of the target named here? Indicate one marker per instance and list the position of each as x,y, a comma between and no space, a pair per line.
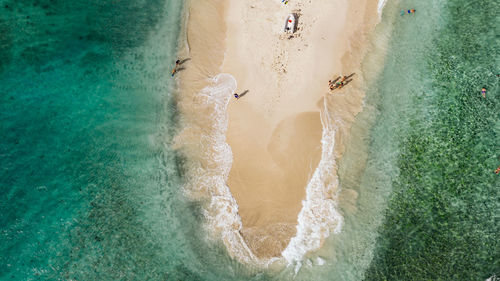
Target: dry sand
275,129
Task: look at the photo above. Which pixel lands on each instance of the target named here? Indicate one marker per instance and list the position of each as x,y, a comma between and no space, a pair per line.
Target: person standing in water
177,63
483,92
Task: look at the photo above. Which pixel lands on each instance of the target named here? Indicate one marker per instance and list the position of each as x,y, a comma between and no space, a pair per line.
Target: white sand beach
274,130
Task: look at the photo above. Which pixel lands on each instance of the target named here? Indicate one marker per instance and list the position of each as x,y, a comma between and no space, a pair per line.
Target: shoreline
262,215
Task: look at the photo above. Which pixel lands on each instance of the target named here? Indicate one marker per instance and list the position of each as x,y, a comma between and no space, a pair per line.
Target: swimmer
497,170
411,11
483,92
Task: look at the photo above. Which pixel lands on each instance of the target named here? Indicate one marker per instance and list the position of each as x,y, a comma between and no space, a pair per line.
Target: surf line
318,217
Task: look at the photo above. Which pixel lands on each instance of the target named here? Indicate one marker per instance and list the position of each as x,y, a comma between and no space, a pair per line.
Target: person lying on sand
332,83
341,83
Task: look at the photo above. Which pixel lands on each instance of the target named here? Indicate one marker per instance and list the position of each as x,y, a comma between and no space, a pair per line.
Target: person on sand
341,83
177,63
483,92
236,96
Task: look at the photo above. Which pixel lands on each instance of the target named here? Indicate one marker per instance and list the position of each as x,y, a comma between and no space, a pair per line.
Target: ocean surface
91,188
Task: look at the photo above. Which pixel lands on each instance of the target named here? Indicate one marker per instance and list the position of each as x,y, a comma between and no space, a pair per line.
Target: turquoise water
90,188
86,116
442,219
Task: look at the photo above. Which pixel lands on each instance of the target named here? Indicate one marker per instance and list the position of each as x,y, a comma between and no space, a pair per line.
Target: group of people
337,84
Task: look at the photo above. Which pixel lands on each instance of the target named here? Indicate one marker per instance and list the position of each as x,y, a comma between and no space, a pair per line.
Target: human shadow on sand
184,60
244,93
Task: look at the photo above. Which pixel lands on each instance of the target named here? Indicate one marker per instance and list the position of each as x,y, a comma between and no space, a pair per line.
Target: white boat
290,24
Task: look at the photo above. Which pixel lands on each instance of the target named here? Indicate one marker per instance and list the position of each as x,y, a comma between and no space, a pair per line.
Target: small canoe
290,24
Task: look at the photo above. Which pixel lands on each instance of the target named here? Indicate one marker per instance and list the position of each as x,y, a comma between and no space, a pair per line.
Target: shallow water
90,188
441,222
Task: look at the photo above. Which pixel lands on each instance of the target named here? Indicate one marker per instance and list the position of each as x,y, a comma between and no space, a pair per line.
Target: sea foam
380,6
318,217
208,176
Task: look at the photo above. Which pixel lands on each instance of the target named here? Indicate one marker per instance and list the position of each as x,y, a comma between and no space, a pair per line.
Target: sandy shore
275,130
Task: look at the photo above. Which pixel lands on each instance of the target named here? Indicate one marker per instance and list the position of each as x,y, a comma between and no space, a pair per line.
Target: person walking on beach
177,63
483,92
236,96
